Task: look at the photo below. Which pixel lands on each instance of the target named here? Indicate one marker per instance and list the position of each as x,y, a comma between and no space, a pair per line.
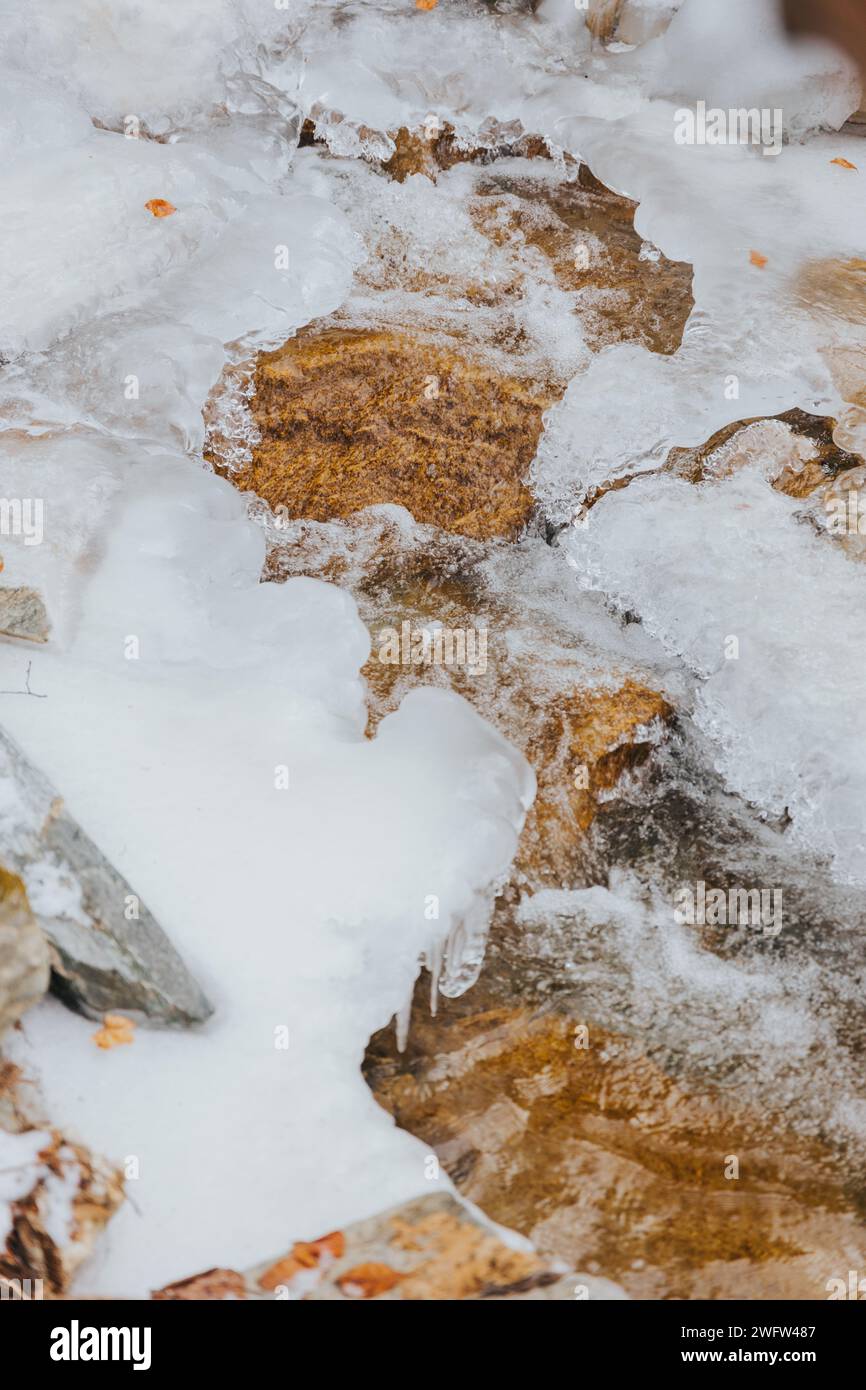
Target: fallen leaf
160,207
115,1030
757,259
368,1280
304,1254
426,4
212,1285
844,163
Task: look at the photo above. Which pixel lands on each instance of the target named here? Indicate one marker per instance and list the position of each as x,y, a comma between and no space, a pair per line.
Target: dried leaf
368,1280
757,259
115,1030
160,207
426,4
213,1285
305,1254
844,163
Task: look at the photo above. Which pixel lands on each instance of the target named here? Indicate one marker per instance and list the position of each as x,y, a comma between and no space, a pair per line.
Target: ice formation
208,730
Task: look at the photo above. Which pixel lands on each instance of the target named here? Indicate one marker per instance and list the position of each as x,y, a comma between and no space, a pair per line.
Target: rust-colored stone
352,418
601,1157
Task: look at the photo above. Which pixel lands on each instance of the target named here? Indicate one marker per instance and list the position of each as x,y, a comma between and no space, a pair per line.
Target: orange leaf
426,4
304,1255
844,163
213,1285
368,1281
757,259
160,208
115,1030
334,1243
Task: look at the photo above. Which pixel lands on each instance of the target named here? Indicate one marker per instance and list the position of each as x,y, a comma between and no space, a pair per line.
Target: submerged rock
580,1140
427,388
349,418
107,951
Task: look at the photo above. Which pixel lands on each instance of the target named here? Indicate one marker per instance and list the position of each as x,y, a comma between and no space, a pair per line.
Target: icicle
401,1019
464,950
433,960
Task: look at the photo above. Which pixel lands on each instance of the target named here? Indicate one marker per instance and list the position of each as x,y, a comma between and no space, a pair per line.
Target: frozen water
207,730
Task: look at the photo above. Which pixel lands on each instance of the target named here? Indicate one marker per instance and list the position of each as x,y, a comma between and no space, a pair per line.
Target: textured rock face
23,614
432,1248
623,290
352,418
107,951
23,953
580,1140
798,453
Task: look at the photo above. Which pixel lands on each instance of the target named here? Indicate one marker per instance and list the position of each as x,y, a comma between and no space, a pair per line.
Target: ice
207,729
302,908
759,608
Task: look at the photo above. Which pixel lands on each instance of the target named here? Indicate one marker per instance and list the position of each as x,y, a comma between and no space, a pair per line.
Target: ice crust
306,908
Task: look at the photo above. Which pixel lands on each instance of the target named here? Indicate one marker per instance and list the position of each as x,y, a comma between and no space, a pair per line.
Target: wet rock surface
613,1086
480,295
430,428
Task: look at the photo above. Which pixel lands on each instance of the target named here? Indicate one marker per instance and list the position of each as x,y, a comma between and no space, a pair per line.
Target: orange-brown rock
585,233
352,418
602,19
432,152
799,452
428,386
586,1145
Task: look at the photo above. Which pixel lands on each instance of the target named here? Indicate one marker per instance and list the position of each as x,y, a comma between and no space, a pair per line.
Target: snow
20,1169
302,908
181,694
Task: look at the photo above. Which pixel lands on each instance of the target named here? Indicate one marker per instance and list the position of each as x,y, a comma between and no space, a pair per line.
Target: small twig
26,690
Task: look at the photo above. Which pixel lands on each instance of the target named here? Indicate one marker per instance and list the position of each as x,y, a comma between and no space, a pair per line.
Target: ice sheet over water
305,908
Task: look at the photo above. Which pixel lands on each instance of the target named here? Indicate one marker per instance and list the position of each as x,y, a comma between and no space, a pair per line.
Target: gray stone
23,614
104,957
